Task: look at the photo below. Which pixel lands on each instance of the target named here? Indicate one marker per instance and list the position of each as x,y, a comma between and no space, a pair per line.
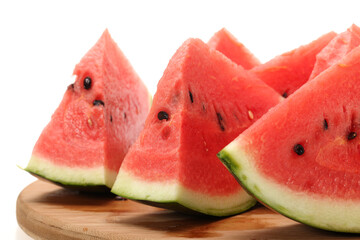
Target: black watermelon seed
299,149
163,115
87,83
285,94
71,86
98,102
110,118
203,108
220,121
191,97
124,115
326,125
352,135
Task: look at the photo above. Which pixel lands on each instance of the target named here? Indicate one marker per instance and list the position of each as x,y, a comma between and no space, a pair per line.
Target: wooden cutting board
46,211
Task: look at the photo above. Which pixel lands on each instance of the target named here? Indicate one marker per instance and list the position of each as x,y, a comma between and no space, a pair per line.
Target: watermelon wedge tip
289,71
203,101
99,117
337,48
227,44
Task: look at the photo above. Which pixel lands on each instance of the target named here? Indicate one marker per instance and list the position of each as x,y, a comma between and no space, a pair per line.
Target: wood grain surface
47,211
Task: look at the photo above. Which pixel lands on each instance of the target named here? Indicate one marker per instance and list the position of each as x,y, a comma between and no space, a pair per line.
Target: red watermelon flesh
203,101
77,126
100,116
226,43
338,47
289,71
303,158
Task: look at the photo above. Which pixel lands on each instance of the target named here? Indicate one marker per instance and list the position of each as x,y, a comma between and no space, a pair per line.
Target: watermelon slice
338,47
100,116
226,43
289,71
302,158
203,101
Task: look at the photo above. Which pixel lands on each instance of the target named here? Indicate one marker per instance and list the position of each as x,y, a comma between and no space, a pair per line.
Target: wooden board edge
38,229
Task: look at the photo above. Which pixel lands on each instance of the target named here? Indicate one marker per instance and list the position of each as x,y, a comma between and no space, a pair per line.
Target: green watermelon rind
67,176
172,195
80,188
187,209
172,206
287,202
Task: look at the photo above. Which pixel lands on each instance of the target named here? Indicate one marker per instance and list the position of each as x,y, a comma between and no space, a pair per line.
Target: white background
41,41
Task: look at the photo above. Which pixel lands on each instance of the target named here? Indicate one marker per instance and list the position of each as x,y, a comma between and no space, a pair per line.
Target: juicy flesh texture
77,127
125,97
289,71
226,43
338,47
82,134
153,157
330,165
198,86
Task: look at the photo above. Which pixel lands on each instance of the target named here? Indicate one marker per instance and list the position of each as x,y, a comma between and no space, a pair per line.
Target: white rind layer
66,175
341,215
129,186
110,177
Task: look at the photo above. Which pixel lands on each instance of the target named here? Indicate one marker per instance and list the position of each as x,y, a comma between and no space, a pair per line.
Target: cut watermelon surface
338,47
226,43
289,71
302,158
203,101
100,116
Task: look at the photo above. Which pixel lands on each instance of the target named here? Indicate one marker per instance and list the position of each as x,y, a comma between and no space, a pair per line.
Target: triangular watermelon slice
203,101
338,47
302,158
289,71
100,116
227,44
